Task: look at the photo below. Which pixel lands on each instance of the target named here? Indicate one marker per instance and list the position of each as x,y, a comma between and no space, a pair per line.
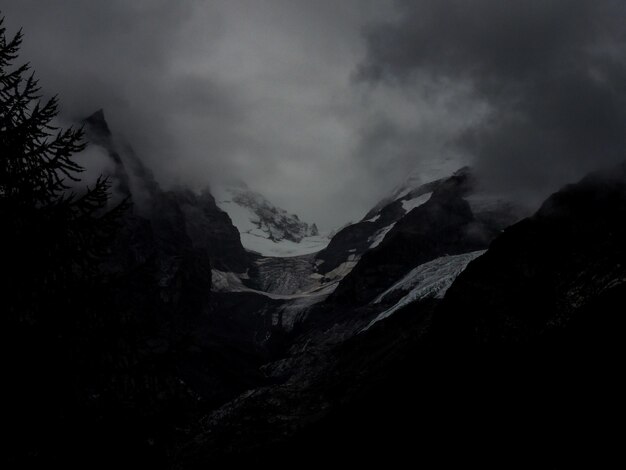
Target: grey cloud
272,92
551,74
204,89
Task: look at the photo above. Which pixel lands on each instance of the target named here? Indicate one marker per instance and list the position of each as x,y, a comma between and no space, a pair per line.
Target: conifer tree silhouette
52,236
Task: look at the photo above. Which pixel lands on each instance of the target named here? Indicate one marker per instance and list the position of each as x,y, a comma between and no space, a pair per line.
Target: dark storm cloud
264,90
254,89
120,56
551,74
87,50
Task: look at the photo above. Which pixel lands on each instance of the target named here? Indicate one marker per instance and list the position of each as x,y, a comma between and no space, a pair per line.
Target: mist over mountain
548,75
283,233
284,94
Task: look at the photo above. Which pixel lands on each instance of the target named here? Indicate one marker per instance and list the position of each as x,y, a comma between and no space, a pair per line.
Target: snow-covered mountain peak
414,187
264,227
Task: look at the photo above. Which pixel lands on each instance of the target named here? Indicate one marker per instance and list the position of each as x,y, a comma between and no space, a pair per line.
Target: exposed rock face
443,225
355,239
123,366
541,273
212,230
527,335
276,222
325,355
154,233
527,340
175,215
178,346
447,226
256,217
172,240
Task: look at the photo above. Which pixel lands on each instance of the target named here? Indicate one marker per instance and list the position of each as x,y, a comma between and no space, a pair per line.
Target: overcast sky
325,105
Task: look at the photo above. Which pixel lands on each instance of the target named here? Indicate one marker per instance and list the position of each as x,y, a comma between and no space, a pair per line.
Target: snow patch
342,270
373,219
410,204
378,237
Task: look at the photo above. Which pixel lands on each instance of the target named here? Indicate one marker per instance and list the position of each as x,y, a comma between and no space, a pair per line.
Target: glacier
264,228
430,279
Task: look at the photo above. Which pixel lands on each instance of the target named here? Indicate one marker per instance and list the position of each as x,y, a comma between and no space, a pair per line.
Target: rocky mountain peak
266,228
176,218
97,123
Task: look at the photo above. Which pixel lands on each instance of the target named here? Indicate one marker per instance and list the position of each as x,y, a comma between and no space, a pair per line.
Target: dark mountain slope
175,213
211,230
120,376
541,273
356,239
444,225
518,365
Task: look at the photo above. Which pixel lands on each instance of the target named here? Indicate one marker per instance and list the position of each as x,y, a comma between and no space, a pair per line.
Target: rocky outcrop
212,231
156,347
276,222
354,240
526,342
258,216
175,215
542,273
443,225
528,336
